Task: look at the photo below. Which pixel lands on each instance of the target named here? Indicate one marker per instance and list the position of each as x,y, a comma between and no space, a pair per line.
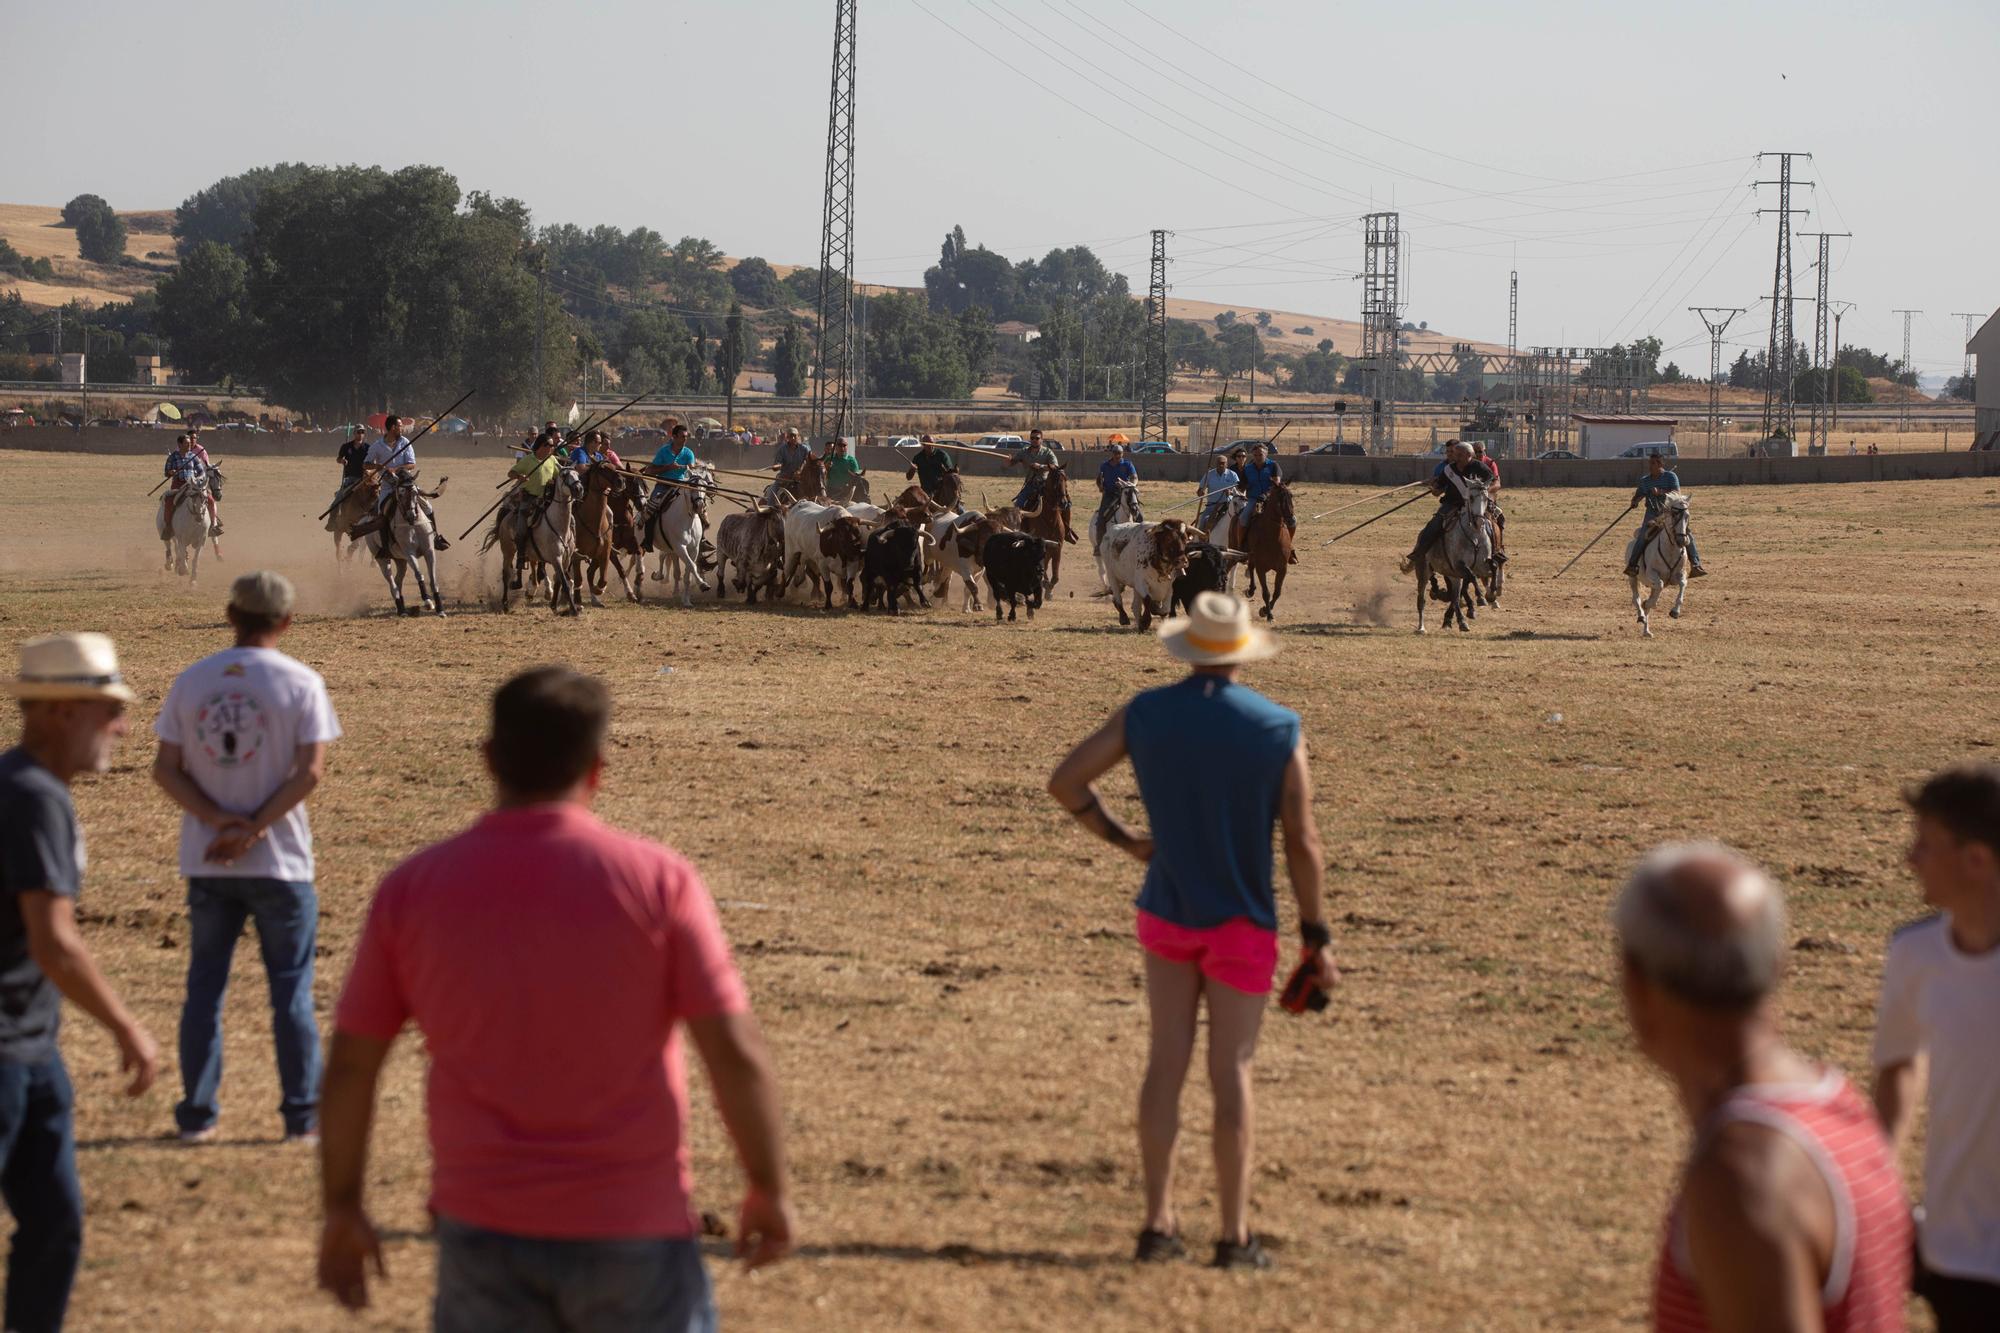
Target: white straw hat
70,666
1217,632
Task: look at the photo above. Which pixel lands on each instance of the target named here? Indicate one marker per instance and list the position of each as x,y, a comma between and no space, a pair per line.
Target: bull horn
1040,500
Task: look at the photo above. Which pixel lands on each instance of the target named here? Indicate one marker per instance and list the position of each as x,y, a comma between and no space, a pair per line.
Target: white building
1017,331
1608,435
1985,345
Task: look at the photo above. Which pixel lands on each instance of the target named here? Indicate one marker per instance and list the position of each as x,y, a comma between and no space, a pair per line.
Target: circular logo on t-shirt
231,727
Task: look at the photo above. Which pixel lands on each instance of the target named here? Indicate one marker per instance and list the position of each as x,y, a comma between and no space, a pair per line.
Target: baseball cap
263,592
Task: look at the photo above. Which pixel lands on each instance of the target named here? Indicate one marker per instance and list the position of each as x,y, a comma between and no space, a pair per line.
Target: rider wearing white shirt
1215,489
392,456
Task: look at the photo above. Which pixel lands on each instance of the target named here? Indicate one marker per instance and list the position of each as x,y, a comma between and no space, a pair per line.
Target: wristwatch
1315,934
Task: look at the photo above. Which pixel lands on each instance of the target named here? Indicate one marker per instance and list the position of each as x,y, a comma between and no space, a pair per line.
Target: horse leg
1277,591
1423,588
437,595
194,564
1639,606
1681,595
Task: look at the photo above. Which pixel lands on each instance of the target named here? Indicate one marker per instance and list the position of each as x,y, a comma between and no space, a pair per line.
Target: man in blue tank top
1218,766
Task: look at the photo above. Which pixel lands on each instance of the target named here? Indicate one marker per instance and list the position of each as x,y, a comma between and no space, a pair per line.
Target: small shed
1985,345
1607,435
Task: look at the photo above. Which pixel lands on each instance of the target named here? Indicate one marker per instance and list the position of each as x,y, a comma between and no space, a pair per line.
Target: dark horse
1268,540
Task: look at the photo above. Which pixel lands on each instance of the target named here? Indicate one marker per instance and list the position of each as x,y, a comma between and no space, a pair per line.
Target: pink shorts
1239,953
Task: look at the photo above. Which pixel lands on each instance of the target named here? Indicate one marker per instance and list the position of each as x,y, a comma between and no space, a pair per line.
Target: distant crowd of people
552,964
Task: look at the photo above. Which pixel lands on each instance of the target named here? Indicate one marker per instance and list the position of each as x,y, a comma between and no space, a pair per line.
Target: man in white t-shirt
390,457
1941,1000
243,737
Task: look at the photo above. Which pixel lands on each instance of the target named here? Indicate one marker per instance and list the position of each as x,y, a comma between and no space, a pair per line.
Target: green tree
651,351
100,232
975,340
914,351
692,270
18,265
1962,388
729,352
802,286
223,212
755,281
791,359
81,207
204,311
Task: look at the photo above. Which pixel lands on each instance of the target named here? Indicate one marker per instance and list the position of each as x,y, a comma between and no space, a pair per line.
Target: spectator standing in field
1207,912
1791,1216
1940,1000
243,736
558,1108
72,716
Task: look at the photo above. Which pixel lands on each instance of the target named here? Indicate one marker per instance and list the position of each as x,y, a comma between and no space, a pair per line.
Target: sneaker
309,1137
1250,1254
1158,1247
1697,572
190,1137
215,530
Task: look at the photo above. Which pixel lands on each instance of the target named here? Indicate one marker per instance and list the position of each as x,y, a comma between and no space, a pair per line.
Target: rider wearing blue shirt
1654,488
670,464
1113,474
1260,474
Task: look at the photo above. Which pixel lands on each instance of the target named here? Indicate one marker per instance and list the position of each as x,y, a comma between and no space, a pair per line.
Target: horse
543,532
1267,540
811,481
358,503
597,536
405,542
1663,559
182,521
1045,520
950,493
675,533
1124,509
1463,554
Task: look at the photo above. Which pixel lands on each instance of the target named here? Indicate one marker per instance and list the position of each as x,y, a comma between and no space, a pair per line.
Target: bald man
1790,1216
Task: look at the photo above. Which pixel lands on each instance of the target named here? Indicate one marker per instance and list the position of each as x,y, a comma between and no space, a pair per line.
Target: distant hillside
38,233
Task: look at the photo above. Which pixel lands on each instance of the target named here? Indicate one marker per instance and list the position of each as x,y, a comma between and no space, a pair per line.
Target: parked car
1151,447
1009,442
1556,456
1665,449
902,441
1345,448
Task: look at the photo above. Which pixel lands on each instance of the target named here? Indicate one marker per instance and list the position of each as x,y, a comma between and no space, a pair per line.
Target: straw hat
1217,632
70,666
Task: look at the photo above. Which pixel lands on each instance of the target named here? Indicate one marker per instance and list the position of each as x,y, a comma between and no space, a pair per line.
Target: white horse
1463,556
542,533
1124,509
1663,550
408,541
186,531
1225,523
677,529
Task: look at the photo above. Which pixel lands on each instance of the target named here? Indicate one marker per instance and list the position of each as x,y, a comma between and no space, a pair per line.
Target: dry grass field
944,964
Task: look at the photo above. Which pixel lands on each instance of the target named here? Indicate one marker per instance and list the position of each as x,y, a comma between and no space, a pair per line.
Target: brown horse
356,505
950,491
1046,521
597,535
1269,543
811,481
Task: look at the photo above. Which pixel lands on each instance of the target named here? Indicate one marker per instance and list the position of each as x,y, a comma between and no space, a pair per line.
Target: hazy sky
1606,151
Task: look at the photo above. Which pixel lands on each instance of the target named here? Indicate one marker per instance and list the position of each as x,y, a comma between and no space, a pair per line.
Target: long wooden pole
1378,518
1592,542
1369,499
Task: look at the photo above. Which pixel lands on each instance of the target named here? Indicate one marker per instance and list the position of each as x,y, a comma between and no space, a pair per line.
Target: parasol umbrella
377,420
1119,437
168,411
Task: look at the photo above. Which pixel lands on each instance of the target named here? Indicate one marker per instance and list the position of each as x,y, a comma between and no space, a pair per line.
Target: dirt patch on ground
944,964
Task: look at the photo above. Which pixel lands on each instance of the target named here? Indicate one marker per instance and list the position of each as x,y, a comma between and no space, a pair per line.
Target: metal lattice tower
834,361
1513,308
1821,422
1709,315
1779,370
1153,380
1903,403
1381,319
1966,373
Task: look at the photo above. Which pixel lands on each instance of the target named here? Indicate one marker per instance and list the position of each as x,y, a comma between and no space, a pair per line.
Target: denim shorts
489,1280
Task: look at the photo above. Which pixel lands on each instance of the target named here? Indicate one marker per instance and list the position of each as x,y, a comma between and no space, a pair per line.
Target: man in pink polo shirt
549,961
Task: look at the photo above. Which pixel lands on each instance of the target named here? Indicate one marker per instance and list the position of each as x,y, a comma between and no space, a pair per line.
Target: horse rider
1213,494
1654,488
1114,474
1479,455
390,458
186,461
670,464
1451,482
1039,460
929,465
843,472
792,455
353,460
1260,474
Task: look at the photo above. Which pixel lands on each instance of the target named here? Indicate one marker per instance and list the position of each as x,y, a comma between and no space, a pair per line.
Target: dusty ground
944,964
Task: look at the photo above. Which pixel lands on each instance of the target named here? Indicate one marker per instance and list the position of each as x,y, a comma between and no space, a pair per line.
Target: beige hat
1217,632
263,593
70,666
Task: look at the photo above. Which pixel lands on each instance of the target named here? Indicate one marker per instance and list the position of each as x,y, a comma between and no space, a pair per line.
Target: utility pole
1153,390
83,372
1513,307
1965,374
833,363
1382,245
1709,316
1778,367
1833,422
541,329
1820,424
1903,403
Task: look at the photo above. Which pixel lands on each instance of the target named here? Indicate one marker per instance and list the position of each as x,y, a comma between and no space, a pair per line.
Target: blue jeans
488,1280
38,1180
287,918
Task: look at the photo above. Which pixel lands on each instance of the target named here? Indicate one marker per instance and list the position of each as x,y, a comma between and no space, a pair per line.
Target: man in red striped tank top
1790,1216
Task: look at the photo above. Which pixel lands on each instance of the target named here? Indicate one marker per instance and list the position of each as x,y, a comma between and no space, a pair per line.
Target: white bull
1146,558
943,560
806,524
